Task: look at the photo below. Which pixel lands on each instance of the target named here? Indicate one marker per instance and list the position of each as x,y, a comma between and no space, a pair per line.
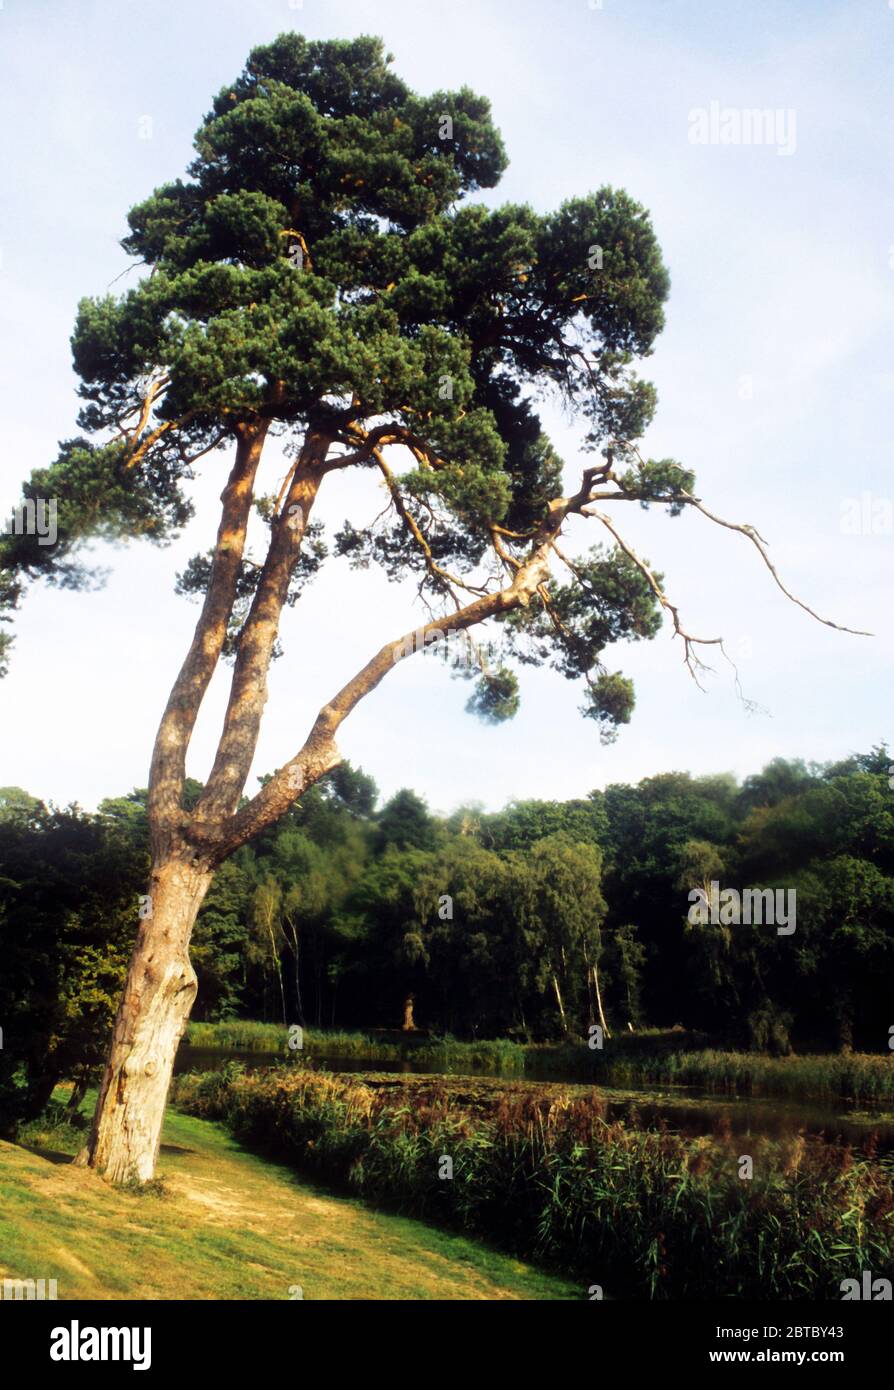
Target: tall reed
642,1213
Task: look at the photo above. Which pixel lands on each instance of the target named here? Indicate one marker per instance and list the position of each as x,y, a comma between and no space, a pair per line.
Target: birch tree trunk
296,959
602,1021
560,1004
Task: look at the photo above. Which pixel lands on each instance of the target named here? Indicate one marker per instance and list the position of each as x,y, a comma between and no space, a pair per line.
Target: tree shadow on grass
51,1155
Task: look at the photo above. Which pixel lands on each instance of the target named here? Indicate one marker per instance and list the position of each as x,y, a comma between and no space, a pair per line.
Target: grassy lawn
231,1225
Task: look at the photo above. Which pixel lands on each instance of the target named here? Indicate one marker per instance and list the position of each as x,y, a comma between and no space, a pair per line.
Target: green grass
248,1036
225,1223
242,1035
539,1169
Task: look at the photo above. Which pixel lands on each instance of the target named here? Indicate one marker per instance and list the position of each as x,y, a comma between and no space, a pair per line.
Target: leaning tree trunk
158,997
561,1005
599,1002
161,983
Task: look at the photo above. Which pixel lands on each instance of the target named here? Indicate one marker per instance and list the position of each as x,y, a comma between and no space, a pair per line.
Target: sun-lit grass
224,1223
243,1035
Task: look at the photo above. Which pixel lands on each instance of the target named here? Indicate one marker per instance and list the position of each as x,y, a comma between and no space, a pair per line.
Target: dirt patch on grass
222,1204
70,1260
231,1226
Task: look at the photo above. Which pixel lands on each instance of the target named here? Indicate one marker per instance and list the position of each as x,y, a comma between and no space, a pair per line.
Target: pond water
689,1110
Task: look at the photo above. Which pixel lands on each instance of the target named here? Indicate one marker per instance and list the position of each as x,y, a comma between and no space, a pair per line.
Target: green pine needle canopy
320,276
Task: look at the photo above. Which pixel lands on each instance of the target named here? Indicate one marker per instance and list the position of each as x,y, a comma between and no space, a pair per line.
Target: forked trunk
158,997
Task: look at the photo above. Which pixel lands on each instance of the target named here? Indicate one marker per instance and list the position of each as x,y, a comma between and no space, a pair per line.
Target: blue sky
775,377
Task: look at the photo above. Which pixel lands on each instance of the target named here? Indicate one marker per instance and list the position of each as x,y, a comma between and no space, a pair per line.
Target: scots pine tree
321,279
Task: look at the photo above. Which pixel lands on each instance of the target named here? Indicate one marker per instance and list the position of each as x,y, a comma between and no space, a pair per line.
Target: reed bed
498,1054
653,1057
541,1172
846,1076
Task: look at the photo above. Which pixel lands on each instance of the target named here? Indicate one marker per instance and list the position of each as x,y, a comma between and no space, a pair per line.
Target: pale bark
152,1015
602,1021
292,934
277,965
560,1004
168,768
248,691
161,983
320,754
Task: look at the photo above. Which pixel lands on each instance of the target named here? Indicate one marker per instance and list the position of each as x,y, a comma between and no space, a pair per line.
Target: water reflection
686,1109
